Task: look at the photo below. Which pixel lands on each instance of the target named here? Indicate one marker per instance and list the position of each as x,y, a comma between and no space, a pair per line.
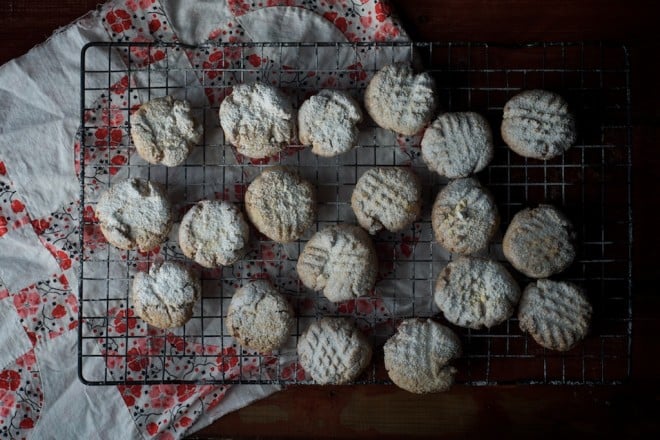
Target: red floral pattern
48,308
119,20
21,398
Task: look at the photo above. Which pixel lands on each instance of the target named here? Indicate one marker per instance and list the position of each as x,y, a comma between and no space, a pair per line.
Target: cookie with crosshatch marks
281,204
476,292
328,122
417,356
259,317
135,213
333,351
458,144
464,216
387,197
340,261
556,313
258,119
165,296
539,242
214,233
400,100
538,124
164,131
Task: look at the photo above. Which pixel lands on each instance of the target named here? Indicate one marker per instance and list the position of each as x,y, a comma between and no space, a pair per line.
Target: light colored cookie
464,217
388,197
258,119
164,131
259,317
417,356
281,204
165,296
556,313
399,100
340,261
458,144
539,242
135,213
538,124
214,233
333,351
328,122
475,292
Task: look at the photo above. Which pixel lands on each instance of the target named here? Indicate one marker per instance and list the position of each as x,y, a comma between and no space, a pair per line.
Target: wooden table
376,411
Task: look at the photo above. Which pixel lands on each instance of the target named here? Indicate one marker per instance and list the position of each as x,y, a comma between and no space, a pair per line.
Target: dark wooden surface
384,411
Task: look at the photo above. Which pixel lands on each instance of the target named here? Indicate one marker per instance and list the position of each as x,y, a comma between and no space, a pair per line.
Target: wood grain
383,411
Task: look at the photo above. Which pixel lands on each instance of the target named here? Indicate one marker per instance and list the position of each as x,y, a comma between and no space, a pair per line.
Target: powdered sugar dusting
259,317
417,357
164,131
476,292
214,233
328,121
464,216
399,100
134,213
538,124
258,119
165,296
281,204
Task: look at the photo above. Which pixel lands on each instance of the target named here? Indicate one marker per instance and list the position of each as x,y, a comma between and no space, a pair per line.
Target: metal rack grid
591,183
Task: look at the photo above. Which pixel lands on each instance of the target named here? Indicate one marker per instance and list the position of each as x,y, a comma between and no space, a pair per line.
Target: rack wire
590,182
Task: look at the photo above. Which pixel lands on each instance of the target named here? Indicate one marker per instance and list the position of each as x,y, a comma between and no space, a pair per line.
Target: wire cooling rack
591,183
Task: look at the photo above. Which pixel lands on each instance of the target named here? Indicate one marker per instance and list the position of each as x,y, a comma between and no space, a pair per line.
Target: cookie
328,122
258,119
214,233
475,292
556,313
464,217
165,296
399,100
539,242
135,213
458,144
538,124
164,131
340,261
389,198
333,351
281,204
417,356
259,317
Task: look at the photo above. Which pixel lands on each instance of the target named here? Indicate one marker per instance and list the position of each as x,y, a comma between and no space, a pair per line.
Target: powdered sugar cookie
417,356
333,351
164,131
389,198
464,217
281,204
340,261
165,296
458,144
135,213
538,124
258,119
556,313
259,317
475,292
399,100
328,122
539,242
214,233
